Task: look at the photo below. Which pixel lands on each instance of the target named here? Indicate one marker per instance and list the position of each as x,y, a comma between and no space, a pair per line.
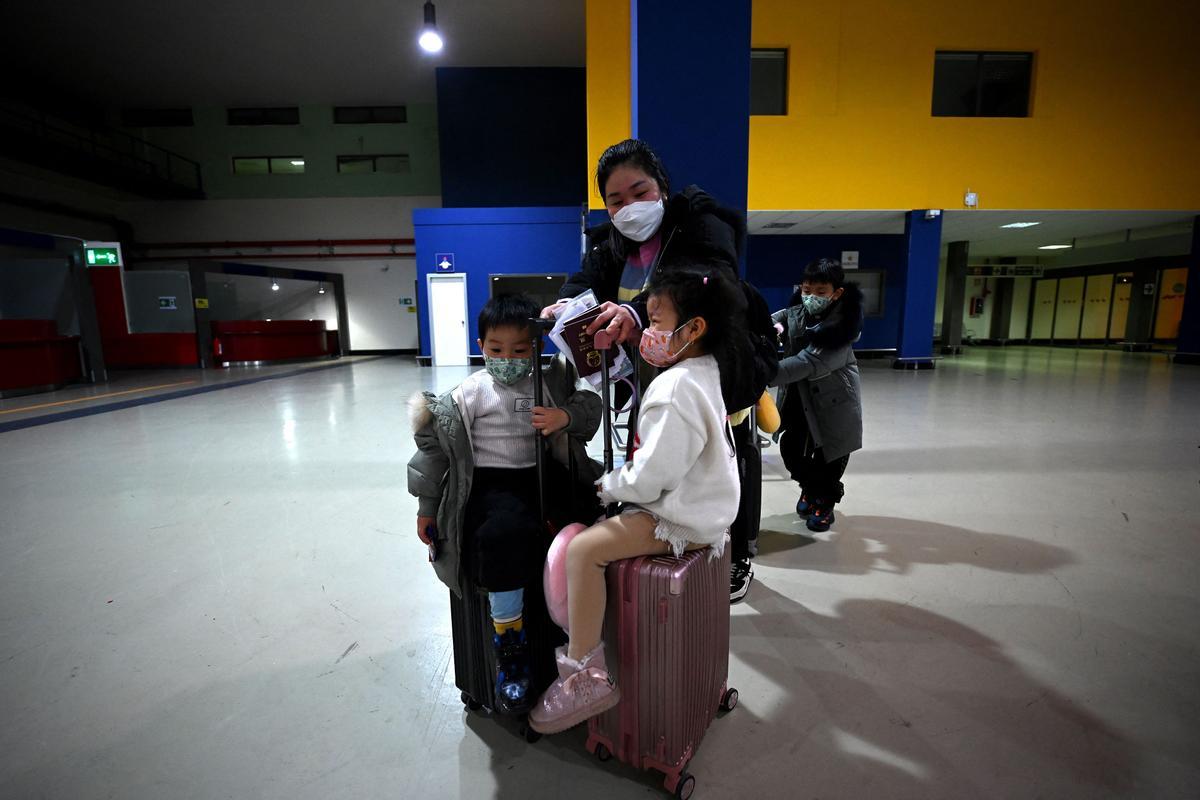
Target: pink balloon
554,576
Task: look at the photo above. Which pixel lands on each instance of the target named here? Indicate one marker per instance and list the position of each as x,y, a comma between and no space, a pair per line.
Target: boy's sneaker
584,689
512,672
803,507
740,575
820,518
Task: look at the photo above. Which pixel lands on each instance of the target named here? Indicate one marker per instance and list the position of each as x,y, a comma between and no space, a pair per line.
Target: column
1188,344
923,243
952,306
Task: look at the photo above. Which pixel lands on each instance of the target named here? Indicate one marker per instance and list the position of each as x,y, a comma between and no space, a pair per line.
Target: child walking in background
820,401
680,490
476,482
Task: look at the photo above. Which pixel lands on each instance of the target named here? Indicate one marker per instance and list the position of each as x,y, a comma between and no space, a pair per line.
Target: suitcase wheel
529,733
685,787
603,753
729,700
469,702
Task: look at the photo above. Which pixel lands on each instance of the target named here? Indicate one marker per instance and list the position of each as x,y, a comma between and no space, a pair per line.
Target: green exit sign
102,256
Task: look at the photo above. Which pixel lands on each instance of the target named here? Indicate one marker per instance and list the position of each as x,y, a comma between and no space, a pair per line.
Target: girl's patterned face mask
655,347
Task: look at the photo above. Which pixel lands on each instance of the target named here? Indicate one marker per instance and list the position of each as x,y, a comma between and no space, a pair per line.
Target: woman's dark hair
635,153
507,309
699,292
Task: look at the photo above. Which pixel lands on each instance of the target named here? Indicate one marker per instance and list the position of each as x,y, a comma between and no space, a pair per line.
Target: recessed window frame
270,165
764,53
370,115
250,117
980,58
362,157
157,118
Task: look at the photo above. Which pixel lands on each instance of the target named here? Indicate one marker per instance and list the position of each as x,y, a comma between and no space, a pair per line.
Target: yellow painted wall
1115,121
608,76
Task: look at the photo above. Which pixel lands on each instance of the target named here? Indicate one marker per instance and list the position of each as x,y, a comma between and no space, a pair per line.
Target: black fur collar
841,324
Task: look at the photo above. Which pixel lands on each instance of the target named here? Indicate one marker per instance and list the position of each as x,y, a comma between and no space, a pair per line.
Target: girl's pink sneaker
583,690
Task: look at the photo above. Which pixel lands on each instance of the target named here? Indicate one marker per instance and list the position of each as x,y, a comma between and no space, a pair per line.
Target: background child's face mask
815,303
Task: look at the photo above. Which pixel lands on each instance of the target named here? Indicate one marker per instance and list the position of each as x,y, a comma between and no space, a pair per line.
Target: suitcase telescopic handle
540,327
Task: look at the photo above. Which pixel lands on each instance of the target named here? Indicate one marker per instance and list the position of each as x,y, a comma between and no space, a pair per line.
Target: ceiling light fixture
1020,225
320,289
297,162
274,286
1055,247
431,40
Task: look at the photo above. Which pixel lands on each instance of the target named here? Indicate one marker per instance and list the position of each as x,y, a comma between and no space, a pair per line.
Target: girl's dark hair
699,292
635,153
507,309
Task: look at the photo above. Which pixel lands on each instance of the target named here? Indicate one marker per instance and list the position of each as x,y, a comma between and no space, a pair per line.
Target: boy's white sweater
685,470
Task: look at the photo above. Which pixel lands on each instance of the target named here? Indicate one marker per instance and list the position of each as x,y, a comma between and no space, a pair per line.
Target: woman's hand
616,322
426,529
550,420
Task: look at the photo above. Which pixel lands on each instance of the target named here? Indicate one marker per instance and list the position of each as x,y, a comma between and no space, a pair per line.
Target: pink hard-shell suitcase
666,633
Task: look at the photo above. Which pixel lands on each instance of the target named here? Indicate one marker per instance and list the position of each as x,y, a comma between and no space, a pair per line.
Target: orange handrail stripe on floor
96,397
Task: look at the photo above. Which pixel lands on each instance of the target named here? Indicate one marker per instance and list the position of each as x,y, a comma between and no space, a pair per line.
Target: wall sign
444,262
201,302
849,259
166,304
102,254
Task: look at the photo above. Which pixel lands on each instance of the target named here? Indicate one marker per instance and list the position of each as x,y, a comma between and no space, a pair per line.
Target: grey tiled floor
222,596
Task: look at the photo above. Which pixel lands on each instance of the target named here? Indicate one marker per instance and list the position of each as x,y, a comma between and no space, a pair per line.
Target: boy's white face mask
639,221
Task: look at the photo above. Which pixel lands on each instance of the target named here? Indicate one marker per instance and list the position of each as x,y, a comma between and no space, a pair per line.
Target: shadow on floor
890,700
857,545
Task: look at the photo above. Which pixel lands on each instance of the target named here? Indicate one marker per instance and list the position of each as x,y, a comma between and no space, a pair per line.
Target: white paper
620,366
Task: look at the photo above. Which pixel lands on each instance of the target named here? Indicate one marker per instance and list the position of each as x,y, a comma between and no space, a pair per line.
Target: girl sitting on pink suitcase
680,490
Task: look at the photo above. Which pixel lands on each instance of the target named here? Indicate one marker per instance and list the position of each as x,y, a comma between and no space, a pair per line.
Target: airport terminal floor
222,595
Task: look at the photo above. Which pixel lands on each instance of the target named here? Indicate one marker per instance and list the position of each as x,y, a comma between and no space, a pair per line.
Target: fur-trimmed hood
420,414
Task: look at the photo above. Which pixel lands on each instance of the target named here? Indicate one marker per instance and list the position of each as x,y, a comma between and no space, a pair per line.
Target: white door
448,320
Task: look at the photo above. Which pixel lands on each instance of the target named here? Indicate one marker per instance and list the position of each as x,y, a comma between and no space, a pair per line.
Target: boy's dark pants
820,480
504,537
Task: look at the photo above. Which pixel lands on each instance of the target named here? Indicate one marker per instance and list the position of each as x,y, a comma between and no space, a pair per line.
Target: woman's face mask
639,221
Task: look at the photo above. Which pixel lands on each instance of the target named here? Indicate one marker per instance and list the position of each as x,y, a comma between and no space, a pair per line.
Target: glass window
368,115
156,117
978,84
264,165
250,166
361,164
263,116
391,163
287,165
768,82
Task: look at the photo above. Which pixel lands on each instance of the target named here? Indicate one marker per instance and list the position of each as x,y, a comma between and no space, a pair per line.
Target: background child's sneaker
512,672
820,518
803,509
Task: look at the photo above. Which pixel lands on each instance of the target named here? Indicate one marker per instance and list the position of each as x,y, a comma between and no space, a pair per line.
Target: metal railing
114,147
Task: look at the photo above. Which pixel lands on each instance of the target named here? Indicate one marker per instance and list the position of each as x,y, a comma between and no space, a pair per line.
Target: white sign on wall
849,259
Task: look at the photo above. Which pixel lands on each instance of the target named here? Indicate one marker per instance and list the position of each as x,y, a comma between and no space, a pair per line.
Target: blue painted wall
490,241
1189,325
774,264
691,91
512,136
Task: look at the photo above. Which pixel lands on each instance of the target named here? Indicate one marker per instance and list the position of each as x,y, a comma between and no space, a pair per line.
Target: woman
650,230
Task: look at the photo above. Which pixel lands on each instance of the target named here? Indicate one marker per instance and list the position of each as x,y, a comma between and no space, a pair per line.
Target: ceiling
983,228
280,52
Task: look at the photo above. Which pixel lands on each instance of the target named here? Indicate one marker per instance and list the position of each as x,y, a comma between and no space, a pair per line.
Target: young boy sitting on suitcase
476,482
820,403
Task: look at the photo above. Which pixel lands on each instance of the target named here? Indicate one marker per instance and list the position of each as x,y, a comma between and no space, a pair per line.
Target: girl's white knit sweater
685,470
